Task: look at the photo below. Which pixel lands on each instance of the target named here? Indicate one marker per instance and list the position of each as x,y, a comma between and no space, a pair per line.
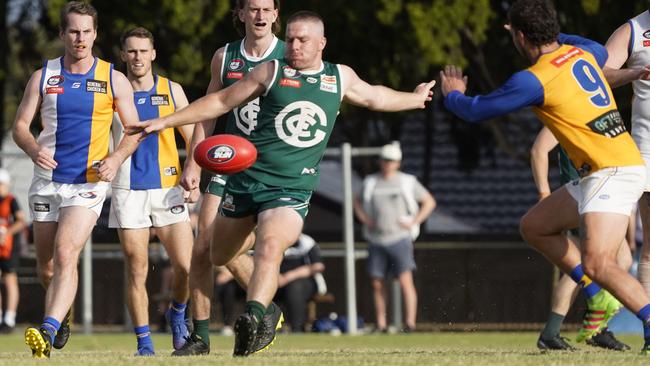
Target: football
225,154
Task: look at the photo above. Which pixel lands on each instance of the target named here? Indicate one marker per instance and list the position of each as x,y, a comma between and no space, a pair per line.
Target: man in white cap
12,221
392,205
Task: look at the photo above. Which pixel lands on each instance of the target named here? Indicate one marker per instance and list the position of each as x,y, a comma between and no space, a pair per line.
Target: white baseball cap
391,152
5,177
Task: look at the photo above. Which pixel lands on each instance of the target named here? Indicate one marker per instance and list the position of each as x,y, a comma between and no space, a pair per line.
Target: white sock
10,318
643,273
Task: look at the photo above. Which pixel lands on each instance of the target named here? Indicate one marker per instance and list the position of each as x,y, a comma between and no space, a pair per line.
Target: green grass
481,348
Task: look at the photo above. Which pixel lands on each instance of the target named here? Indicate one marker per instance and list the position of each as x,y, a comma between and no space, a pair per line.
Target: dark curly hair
536,19
241,27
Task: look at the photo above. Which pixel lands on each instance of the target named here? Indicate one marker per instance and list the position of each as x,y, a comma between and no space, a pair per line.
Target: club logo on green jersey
301,124
246,116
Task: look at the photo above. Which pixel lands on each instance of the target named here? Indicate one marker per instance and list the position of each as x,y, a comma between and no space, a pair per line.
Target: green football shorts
244,196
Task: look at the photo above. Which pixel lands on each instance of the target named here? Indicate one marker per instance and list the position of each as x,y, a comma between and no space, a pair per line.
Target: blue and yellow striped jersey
155,163
76,112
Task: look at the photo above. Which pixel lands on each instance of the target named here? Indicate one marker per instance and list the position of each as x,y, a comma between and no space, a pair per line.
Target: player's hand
424,91
44,158
107,169
644,73
453,79
192,195
543,195
191,176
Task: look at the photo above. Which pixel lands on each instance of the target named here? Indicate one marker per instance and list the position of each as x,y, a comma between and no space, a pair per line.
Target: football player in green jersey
299,100
256,21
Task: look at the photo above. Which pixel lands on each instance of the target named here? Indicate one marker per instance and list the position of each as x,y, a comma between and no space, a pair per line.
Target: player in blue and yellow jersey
146,193
76,96
257,21
565,288
302,95
567,90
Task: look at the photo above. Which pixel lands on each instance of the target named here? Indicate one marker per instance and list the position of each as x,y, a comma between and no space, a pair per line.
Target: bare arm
181,102
216,104
361,213
544,143
192,171
304,271
380,98
23,137
617,48
123,99
427,205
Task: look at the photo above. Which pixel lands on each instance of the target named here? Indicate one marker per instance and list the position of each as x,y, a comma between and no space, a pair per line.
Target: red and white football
225,154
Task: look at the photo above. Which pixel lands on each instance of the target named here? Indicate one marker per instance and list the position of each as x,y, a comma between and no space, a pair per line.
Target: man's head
78,29
137,51
391,158
256,18
305,40
533,23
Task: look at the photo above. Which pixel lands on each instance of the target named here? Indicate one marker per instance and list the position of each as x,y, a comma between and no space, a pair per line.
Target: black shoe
194,346
245,335
407,330
605,339
5,329
63,334
555,343
267,329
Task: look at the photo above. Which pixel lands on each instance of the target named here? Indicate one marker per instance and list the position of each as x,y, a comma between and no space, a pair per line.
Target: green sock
270,309
256,309
553,325
202,329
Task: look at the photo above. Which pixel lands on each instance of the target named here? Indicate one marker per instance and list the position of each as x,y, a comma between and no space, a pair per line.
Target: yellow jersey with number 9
580,110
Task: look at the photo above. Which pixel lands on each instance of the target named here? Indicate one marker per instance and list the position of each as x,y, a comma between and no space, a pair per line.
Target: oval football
225,154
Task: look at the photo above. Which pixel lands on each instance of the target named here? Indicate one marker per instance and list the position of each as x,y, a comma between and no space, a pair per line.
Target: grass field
419,349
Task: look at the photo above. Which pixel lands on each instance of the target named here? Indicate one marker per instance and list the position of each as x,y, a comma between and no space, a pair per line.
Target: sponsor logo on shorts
290,72
88,195
170,171
290,83
227,203
236,64
221,154
603,197
96,86
646,43
55,80
76,85
177,209
308,171
646,34
41,207
159,99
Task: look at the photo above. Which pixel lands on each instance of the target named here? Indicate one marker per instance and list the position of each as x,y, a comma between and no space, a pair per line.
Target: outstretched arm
380,98
544,143
521,90
214,105
618,48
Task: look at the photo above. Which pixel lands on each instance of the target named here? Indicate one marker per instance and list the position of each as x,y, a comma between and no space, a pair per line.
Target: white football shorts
46,197
138,209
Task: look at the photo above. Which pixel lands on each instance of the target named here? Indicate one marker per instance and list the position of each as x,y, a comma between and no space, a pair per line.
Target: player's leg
277,229
135,244
177,239
564,293
606,338
644,256
44,233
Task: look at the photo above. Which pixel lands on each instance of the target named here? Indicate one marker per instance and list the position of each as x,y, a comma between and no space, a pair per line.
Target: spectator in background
12,222
228,292
300,280
387,206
